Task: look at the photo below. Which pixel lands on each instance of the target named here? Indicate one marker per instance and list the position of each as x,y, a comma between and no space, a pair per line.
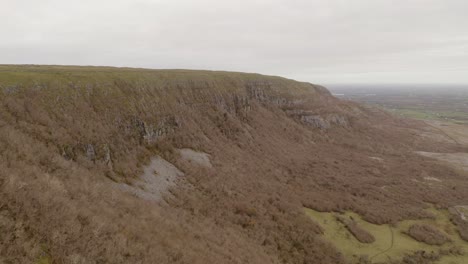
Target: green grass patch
391,242
44,260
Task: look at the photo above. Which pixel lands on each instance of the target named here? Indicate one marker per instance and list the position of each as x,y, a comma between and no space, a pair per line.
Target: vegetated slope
70,135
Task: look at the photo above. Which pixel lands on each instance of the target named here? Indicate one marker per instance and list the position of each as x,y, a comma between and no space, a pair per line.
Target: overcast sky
321,41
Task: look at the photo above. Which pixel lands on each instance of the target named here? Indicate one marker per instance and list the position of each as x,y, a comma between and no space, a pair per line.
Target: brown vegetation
67,134
427,234
421,257
360,234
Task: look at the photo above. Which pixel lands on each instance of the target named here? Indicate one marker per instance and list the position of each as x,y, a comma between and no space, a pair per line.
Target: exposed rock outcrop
195,157
154,183
322,122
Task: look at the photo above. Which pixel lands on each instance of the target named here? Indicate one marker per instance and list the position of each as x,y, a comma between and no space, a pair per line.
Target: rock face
305,103
152,133
322,122
315,121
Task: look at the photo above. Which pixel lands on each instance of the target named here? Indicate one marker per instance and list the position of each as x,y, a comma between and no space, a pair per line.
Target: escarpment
99,116
117,165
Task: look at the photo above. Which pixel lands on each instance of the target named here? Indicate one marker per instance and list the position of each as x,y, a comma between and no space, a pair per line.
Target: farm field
440,103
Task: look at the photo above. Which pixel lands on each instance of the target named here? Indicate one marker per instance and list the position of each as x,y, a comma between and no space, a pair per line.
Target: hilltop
122,165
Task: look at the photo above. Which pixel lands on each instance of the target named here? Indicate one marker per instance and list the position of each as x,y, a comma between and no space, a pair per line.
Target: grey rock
315,121
90,152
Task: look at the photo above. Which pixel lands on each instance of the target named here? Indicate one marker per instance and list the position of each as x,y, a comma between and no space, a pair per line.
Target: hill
121,165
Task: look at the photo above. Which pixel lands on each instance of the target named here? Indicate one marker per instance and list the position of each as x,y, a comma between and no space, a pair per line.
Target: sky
319,41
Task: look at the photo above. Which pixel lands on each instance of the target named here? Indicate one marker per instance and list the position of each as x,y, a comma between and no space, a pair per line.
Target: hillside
120,165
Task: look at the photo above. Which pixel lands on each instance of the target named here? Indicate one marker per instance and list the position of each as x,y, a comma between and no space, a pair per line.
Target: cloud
334,41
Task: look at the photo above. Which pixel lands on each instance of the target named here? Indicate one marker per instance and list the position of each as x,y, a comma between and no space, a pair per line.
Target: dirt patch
155,181
195,157
427,234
